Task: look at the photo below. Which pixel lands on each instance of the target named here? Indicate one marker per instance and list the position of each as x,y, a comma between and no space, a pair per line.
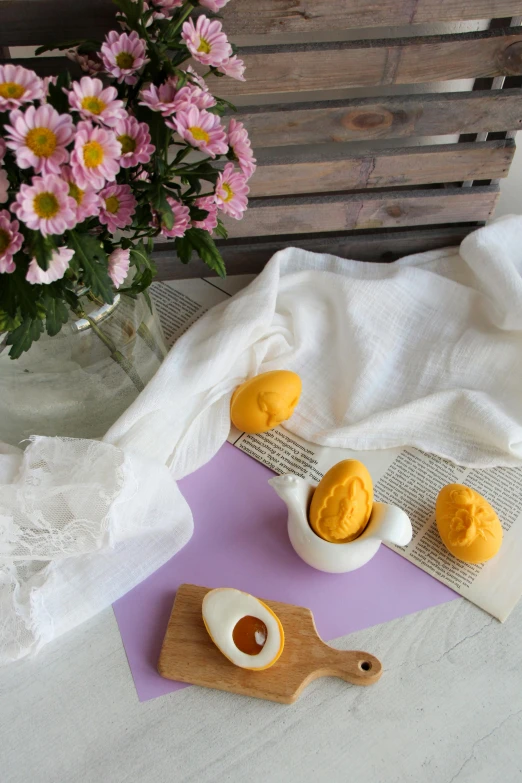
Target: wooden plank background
321,172
365,119
305,16
33,22
301,214
305,67
242,257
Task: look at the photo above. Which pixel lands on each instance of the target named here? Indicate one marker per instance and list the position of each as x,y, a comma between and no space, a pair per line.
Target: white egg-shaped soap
243,628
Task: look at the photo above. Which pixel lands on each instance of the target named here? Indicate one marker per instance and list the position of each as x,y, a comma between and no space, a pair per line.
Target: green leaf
162,207
183,247
221,230
92,259
56,313
9,323
206,248
23,337
133,11
57,98
139,257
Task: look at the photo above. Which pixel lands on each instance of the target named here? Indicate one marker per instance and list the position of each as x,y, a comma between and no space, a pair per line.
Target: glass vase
77,383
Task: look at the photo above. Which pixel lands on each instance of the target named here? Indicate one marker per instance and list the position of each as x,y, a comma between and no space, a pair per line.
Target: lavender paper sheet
240,540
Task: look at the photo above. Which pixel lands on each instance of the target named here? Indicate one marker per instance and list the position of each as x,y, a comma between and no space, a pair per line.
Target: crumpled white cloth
426,351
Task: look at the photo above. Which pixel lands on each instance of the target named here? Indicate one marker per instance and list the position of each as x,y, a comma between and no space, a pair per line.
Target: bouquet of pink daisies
91,170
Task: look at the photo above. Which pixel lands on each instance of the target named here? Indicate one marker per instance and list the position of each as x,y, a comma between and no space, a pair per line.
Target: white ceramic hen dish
387,523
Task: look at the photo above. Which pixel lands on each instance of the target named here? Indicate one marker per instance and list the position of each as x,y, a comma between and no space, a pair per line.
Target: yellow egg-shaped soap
342,502
468,526
263,402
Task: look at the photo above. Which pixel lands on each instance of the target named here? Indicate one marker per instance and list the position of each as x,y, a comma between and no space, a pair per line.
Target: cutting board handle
359,668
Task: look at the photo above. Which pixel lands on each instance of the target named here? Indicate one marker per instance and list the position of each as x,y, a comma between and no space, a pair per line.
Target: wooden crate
314,188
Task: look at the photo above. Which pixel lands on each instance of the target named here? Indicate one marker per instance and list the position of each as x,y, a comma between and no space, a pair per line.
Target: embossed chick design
276,407
337,519
472,518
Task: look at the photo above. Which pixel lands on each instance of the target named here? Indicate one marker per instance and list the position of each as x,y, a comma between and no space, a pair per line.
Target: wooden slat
301,214
249,257
303,16
32,22
319,172
302,67
385,118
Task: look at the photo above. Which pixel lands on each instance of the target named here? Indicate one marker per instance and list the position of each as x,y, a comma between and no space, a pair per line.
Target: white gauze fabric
426,351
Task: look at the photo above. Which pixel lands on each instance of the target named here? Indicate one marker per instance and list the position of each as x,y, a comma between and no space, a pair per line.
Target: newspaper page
408,478
411,479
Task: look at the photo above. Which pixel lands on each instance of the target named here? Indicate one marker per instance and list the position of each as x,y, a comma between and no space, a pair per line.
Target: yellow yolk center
46,205
76,193
228,190
112,204
93,104
199,134
204,46
124,60
249,635
41,141
128,144
5,241
92,154
11,90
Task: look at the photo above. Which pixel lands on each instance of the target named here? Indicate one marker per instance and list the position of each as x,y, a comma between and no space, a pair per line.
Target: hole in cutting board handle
365,665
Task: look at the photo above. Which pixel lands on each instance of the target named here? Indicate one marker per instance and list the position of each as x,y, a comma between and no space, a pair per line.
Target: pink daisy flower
119,262
58,265
231,192
192,95
124,54
233,67
39,138
210,222
206,41
168,5
118,207
134,138
4,186
2,149
213,5
88,202
89,63
239,143
45,205
18,85
96,102
201,129
10,242
181,219
96,154
160,98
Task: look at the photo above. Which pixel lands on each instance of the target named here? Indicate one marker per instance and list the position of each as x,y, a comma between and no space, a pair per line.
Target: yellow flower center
199,134
228,190
93,104
93,154
128,144
5,241
46,205
124,60
112,204
41,141
76,193
11,90
204,46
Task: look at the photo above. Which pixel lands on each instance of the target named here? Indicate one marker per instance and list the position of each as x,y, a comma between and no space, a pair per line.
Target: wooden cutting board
189,655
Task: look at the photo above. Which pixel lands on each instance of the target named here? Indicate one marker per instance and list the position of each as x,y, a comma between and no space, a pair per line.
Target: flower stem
188,10
116,355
